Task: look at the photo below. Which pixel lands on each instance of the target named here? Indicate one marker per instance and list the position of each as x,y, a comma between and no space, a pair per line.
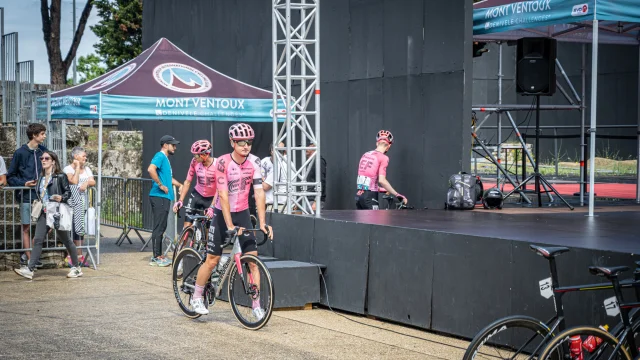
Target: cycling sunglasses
244,142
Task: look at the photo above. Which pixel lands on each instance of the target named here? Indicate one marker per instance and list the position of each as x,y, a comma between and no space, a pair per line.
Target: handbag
64,210
36,210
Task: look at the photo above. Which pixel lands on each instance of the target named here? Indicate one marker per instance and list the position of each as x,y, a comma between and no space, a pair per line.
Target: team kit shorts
218,232
198,203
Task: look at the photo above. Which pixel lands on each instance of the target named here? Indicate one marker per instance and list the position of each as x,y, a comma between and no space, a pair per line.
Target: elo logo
580,10
117,75
181,78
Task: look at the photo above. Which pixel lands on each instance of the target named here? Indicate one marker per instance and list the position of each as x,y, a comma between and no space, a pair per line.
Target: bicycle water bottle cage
548,252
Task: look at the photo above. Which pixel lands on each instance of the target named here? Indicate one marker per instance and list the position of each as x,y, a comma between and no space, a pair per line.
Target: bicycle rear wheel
512,337
184,280
245,295
186,238
608,349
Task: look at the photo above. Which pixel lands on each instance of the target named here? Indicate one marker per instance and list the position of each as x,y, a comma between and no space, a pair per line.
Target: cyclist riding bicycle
372,174
203,166
235,173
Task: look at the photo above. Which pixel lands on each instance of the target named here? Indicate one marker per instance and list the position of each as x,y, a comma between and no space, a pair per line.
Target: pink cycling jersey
372,164
237,179
205,177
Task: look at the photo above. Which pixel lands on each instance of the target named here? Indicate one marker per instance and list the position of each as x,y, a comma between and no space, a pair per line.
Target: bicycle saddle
607,272
548,252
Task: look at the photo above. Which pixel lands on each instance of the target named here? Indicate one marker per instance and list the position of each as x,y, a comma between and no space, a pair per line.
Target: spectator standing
311,176
3,173
267,170
23,171
161,195
80,178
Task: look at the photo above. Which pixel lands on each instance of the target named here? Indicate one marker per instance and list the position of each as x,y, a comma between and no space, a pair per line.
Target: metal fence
26,98
11,233
11,86
56,129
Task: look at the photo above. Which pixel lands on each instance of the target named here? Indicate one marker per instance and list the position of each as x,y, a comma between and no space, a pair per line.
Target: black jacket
311,176
25,166
59,185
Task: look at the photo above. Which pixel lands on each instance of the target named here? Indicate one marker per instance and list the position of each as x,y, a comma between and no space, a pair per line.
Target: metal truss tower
296,82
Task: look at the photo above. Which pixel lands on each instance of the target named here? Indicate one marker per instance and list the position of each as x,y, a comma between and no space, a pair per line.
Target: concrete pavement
126,310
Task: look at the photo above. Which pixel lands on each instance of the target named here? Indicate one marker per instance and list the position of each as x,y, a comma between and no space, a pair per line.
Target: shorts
197,202
367,200
25,213
218,232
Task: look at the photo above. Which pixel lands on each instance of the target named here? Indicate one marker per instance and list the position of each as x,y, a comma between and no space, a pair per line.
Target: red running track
611,190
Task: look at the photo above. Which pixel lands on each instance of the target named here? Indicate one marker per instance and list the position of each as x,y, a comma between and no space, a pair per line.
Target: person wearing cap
161,195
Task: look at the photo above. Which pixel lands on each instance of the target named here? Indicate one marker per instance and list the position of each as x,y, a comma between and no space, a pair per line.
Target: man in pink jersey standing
203,167
235,174
372,174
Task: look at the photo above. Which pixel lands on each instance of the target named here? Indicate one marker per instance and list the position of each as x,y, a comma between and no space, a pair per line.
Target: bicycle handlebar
233,233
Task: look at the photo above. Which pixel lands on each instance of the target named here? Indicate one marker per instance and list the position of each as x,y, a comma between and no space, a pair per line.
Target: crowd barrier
126,205
11,234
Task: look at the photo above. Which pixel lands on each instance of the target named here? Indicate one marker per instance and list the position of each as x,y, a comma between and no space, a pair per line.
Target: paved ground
126,310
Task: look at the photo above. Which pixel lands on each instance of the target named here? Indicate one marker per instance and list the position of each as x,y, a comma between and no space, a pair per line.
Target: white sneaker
24,272
258,313
75,272
198,306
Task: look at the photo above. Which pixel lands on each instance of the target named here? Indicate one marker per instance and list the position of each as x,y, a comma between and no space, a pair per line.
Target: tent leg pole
99,192
499,115
594,104
638,133
583,110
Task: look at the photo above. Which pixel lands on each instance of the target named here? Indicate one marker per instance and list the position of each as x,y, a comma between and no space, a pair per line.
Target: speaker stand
539,179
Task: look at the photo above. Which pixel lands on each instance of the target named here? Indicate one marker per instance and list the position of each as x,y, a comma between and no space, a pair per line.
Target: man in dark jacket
23,171
311,176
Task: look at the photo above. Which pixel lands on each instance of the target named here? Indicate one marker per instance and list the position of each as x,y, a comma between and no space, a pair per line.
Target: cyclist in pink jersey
203,167
372,174
235,174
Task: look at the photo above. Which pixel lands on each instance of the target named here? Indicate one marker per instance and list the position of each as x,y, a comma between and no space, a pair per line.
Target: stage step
295,283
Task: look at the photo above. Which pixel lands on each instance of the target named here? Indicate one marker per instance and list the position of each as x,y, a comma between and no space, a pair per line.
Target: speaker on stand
536,76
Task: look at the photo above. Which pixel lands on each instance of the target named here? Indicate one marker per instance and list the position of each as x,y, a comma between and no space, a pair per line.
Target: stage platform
456,271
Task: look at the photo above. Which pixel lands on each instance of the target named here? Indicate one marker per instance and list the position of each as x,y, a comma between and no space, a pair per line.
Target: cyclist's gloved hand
177,206
209,212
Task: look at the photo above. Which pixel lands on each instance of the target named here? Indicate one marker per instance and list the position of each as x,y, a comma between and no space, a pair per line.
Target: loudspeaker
536,66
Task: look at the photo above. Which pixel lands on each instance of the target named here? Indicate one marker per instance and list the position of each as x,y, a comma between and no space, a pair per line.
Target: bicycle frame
557,321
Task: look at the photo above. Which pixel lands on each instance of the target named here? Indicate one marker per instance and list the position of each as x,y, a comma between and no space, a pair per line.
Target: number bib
364,182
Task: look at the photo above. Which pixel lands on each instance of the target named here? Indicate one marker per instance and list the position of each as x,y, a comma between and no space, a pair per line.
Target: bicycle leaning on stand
243,286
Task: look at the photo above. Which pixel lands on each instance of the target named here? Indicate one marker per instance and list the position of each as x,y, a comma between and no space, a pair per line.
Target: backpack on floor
461,194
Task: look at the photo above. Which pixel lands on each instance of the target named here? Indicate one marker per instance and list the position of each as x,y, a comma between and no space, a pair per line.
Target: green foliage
119,31
90,67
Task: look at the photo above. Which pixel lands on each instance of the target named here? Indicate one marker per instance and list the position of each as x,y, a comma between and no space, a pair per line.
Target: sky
23,16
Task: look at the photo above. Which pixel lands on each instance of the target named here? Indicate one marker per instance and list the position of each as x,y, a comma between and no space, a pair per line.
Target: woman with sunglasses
52,185
203,167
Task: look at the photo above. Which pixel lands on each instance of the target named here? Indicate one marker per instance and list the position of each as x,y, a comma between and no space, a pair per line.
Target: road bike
243,285
588,342
193,236
521,336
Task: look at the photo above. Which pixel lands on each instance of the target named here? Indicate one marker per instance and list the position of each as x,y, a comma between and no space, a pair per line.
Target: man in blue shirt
161,195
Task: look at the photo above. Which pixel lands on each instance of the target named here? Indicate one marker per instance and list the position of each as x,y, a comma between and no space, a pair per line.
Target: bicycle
502,333
240,293
621,343
398,205
193,236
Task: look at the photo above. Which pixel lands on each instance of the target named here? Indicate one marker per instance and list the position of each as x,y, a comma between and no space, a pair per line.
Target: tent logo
93,109
580,10
181,78
117,75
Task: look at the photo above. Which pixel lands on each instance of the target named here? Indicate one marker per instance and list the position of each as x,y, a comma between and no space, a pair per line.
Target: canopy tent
163,83
565,20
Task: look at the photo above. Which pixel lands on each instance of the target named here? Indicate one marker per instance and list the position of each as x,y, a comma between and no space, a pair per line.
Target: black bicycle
392,203
194,236
521,336
245,286
595,343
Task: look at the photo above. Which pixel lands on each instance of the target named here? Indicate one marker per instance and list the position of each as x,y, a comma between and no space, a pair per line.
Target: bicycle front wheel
251,292
185,270
512,337
186,239
608,349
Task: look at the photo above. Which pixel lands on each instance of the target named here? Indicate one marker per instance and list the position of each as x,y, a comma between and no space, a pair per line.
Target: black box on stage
536,66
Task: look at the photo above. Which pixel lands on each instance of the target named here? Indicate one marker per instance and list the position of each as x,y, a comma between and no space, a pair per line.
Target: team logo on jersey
117,75
181,78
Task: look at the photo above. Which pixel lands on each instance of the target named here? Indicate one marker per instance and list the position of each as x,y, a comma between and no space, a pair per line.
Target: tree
58,66
120,31
90,67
